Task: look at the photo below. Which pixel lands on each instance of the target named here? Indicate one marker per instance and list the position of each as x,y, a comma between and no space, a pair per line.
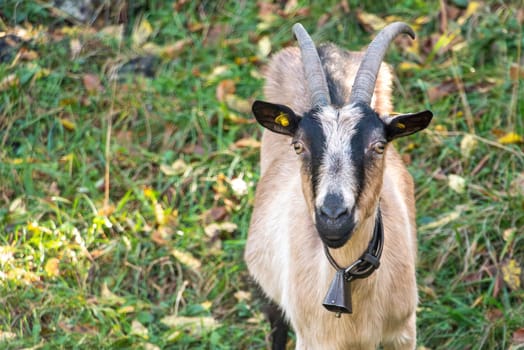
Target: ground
128,164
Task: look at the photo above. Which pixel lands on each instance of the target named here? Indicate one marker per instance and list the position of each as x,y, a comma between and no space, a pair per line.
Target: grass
152,258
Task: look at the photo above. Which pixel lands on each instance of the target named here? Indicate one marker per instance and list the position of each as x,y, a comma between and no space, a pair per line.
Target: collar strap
369,261
338,298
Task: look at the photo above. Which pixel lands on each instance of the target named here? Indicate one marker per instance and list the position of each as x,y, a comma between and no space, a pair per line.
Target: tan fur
284,252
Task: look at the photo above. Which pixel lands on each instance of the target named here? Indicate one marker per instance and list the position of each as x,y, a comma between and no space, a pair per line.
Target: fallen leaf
407,66
236,119
27,55
141,32
126,309
264,46
9,81
238,104
267,14
370,22
238,186
248,142
75,46
115,32
68,124
224,88
509,234
138,329
215,214
178,167
467,145
511,138
6,336
149,346
51,267
473,8
108,297
518,336
443,220
174,50
517,185
516,72
511,271
196,325
92,83
206,305
187,259
493,315
242,295
457,183
215,229
444,89
168,52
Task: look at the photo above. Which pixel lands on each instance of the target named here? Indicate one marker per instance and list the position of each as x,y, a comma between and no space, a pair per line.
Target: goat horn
366,76
315,77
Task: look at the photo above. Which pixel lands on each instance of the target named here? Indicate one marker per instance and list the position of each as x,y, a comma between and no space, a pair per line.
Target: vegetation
128,164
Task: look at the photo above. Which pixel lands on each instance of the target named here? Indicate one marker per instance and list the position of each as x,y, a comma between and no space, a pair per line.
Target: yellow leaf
457,183
247,142
109,297
177,168
159,214
370,20
149,346
6,336
51,267
126,309
187,259
116,32
440,128
406,66
242,295
138,328
264,46
468,144
9,81
511,273
444,220
142,32
206,305
6,254
150,193
68,124
510,138
238,104
196,325
472,8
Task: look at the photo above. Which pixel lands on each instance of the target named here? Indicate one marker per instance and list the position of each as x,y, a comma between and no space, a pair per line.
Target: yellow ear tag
400,126
282,119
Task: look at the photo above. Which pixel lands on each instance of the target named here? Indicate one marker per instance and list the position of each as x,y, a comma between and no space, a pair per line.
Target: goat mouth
336,243
338,237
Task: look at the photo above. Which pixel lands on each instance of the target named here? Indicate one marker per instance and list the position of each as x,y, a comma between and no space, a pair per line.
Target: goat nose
333,207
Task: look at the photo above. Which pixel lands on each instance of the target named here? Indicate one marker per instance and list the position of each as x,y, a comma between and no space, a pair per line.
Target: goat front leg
279,325
405,338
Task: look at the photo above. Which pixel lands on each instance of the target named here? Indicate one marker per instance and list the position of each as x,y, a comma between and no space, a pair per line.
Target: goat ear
277,118
406,124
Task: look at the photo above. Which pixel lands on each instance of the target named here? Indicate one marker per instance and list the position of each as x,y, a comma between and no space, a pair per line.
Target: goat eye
379,147
299,147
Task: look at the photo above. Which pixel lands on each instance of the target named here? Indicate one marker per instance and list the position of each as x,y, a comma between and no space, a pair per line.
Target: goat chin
285,254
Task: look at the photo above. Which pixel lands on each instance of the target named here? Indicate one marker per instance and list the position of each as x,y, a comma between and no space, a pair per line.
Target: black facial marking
311,134
368,129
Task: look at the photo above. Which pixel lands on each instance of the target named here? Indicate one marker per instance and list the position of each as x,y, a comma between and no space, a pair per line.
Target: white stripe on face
336,173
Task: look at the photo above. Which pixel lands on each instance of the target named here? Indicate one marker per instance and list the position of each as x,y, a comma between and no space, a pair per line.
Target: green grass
79,269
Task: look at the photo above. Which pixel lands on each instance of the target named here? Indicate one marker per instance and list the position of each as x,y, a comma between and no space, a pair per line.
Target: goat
334,192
